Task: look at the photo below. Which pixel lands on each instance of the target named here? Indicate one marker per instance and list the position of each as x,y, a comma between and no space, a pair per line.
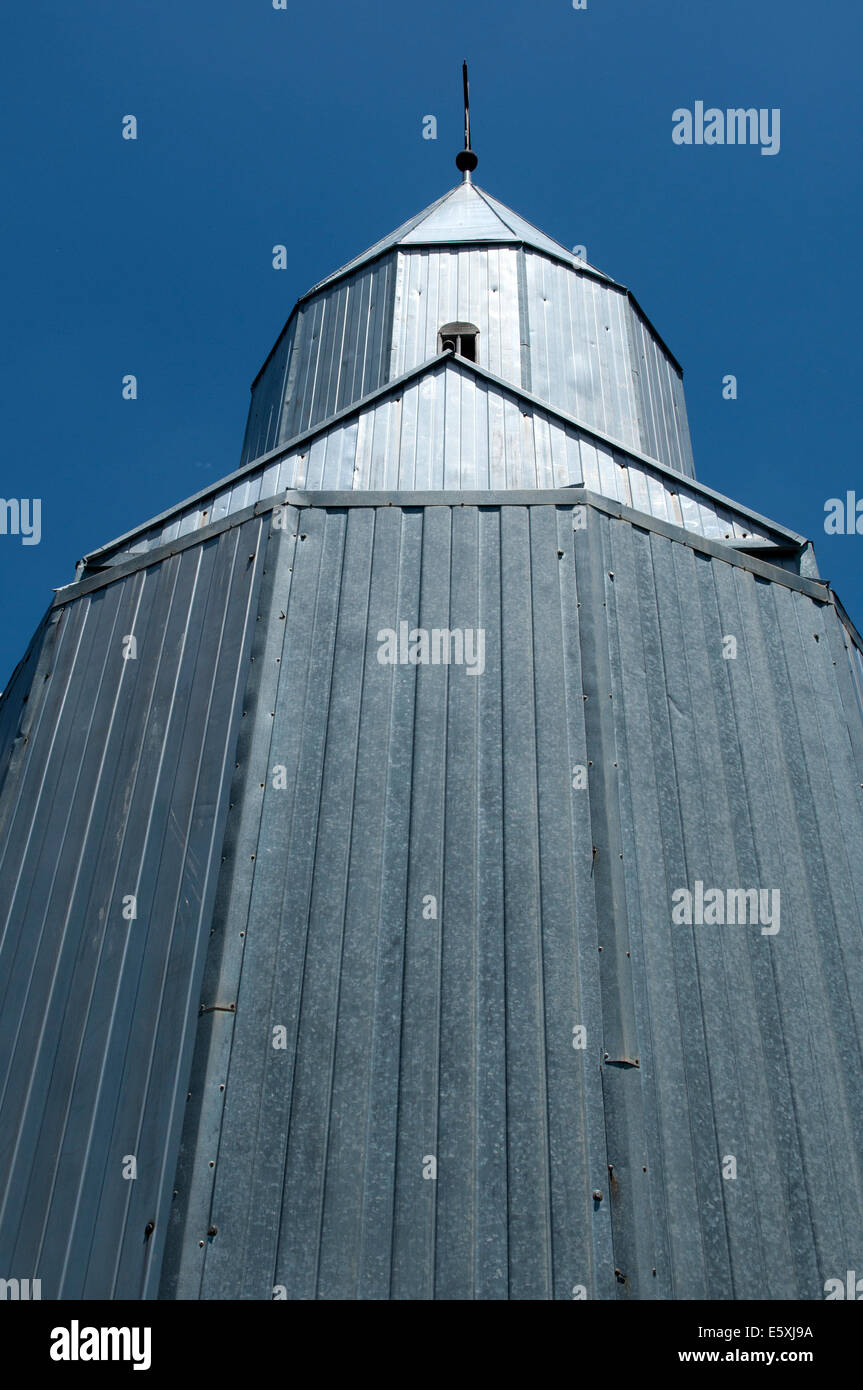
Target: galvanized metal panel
660,399
118,787
268,395
578,347
478,286
410,1036
334,350
449,428
463,214
545,322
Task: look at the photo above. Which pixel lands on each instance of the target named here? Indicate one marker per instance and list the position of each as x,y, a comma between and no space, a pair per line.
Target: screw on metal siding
597,1195
148,1229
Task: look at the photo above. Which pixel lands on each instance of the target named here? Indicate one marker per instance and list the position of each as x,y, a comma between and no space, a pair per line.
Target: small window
460,338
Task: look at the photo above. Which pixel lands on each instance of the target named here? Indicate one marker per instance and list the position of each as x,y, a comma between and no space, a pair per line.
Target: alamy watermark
21,517
20,1289
733,906
77,1343
734,126
849,1287
437,646
844,515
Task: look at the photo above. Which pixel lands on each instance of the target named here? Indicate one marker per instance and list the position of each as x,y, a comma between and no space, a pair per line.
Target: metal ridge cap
500,209
264,460
842,613
431,363
573,495
383,244
630,452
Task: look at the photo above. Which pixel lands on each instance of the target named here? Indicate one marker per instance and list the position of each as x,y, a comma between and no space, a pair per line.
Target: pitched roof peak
462,215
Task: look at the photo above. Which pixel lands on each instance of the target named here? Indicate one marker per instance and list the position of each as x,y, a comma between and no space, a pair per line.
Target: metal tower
432,856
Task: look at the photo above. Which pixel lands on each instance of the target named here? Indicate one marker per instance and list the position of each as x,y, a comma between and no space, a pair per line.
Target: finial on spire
466,159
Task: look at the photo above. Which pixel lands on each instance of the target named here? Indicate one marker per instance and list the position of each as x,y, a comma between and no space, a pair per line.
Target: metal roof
450,423
410,1037
465,214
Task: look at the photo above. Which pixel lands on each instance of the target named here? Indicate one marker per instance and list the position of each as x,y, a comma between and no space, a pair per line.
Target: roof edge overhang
442,361
817,589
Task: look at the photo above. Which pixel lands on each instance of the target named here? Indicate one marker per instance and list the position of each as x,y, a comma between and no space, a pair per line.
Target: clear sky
303,126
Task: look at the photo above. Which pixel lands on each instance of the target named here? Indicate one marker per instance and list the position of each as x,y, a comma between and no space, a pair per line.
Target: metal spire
466,159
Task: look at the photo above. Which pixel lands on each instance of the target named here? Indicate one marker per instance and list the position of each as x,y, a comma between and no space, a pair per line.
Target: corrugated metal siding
408,1037
450,429
660,400
575,342
268,395
471,285
334,351
342,347
118,787
579,349
734,772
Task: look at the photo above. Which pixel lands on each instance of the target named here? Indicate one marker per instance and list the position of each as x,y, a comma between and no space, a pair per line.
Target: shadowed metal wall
420,909
115,789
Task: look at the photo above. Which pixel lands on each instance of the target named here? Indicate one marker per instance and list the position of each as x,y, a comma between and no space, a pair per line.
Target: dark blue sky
303,127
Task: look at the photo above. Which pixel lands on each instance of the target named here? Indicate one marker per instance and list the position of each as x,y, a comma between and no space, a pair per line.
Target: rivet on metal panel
213,1231
148,1229
597,1195
560,555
